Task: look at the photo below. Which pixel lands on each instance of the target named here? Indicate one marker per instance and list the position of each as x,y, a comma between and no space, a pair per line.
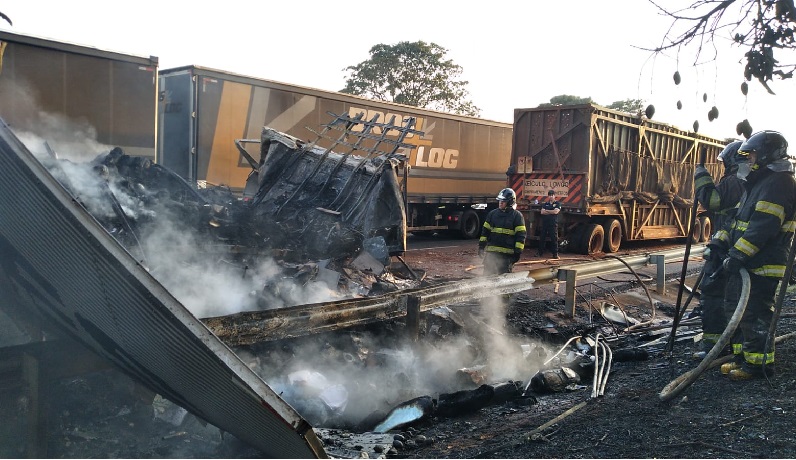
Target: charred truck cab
619,177
452,173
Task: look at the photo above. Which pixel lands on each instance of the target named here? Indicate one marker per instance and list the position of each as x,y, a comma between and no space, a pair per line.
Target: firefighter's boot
750,372
726,368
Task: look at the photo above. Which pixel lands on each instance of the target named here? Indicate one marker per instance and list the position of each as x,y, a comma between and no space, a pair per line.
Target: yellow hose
678,385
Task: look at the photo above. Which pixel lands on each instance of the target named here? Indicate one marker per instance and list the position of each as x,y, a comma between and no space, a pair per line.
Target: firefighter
720,201
503,235
758,239
550,210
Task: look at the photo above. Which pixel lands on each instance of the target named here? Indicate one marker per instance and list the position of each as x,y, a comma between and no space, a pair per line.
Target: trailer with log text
456,168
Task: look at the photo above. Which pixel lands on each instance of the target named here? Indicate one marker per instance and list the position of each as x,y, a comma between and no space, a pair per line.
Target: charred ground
104,414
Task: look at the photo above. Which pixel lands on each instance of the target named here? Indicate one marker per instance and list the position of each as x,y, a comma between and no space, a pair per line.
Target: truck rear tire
613,235
707,228
696,232
593,239
470,225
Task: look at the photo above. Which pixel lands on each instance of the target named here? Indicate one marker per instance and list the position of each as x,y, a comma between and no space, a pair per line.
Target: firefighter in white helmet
503,235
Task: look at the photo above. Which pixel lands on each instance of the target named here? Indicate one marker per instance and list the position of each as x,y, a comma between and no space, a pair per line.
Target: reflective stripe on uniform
703,181
722,235
789,226
499,249
774,209
773,271
746,247
504,231
758,358
715,200
740,225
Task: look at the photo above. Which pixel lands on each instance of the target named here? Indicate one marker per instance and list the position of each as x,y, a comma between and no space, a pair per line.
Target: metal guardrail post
569,277
413,317
660,278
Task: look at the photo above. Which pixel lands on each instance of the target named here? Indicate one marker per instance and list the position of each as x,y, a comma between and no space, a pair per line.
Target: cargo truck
619,177
455,170
47,86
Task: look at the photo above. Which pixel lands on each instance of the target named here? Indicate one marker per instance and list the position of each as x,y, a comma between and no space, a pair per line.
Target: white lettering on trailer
540,187
383,118
437,158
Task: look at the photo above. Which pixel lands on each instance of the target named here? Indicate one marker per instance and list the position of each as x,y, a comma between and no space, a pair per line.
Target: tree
628,105
411,73
764,27
566,99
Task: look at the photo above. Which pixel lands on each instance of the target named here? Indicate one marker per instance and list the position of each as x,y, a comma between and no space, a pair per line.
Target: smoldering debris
220,254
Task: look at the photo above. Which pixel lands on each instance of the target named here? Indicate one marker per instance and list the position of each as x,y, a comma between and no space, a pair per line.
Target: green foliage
628,105
411,73
566,99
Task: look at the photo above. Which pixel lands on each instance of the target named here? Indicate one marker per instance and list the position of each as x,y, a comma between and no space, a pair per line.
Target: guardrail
570,273
252,327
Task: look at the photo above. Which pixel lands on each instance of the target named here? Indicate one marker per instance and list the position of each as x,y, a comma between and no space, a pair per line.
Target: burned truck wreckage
323,218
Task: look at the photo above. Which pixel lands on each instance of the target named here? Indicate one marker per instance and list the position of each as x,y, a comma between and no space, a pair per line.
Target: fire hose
678,385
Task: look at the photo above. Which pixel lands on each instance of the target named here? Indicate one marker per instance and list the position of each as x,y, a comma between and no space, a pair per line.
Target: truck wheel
593,238
696,232
613,235
707,228
470,225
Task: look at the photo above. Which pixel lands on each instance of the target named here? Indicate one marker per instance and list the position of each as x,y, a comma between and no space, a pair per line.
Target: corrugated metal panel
62,263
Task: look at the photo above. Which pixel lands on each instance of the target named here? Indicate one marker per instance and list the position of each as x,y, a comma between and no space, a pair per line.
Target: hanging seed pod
676,77
710,115
650,111
746,129
704,97
679,105
696,126
744,88
739,128
715,111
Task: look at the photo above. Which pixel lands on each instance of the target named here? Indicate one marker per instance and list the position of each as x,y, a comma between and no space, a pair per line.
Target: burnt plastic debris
506,391
465,401
554,380
630,354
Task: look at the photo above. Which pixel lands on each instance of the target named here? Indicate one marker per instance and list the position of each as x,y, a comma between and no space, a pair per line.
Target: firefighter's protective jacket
503,232
719,200
763,227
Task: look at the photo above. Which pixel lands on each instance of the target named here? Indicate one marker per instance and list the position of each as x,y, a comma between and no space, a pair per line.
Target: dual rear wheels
595,237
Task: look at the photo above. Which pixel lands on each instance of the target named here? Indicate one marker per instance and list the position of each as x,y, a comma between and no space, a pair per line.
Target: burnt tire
707,228
696,232
470,225
592,239
612,230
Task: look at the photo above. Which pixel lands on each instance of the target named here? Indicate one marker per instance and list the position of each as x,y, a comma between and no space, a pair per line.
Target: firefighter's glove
480,251
700,170
732,265
516,257
706,253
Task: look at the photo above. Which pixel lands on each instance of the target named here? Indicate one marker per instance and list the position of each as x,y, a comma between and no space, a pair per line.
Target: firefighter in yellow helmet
503,235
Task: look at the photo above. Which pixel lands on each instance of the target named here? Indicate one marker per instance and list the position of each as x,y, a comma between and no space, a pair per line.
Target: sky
514,54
